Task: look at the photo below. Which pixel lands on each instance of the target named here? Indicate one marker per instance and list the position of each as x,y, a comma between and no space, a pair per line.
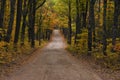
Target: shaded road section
53,62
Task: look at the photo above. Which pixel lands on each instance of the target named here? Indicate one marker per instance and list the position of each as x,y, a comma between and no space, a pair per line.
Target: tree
25,12
18,21
115,25
69,22
2,11
39,31
31,16
78,19
10,25
91,25
104,29
85,14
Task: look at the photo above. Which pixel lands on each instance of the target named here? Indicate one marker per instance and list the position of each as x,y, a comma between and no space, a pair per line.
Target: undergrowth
9,54
112,60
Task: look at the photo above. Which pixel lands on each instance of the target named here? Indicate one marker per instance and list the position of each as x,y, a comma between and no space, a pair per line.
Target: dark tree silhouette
69,22
104,28
2,11
115,26
18,21
10,26
24,24
91,25
78,19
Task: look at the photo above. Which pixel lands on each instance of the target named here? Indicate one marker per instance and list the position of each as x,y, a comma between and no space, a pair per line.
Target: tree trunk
69,22
32,11
2,11
30,20
78,20
115,26
40,29
18,21
10,26
91,25
33,24
25,12
104,28
85,14
99,10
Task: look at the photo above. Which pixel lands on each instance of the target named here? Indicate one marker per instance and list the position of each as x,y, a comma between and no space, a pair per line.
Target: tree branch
40,4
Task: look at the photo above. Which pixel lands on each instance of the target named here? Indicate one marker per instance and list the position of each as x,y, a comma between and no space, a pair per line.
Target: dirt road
53,63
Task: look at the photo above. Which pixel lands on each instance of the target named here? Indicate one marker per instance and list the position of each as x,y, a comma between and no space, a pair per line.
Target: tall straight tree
91,25
31,16
10,25
2,11
115,26
78,19
40,20
25,12
104,28
69,22
99,10
18,21
85,14
33,24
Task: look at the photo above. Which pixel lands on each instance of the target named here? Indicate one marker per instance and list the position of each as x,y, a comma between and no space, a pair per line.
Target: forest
91,29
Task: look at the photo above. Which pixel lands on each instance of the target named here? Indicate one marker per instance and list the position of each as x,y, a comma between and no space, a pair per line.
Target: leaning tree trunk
104,28
10,26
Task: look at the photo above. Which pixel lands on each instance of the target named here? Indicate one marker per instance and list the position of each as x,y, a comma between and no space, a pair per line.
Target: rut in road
53,63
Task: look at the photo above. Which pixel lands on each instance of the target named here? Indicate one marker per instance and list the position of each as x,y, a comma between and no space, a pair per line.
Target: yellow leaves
11,55
2,44
5,58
